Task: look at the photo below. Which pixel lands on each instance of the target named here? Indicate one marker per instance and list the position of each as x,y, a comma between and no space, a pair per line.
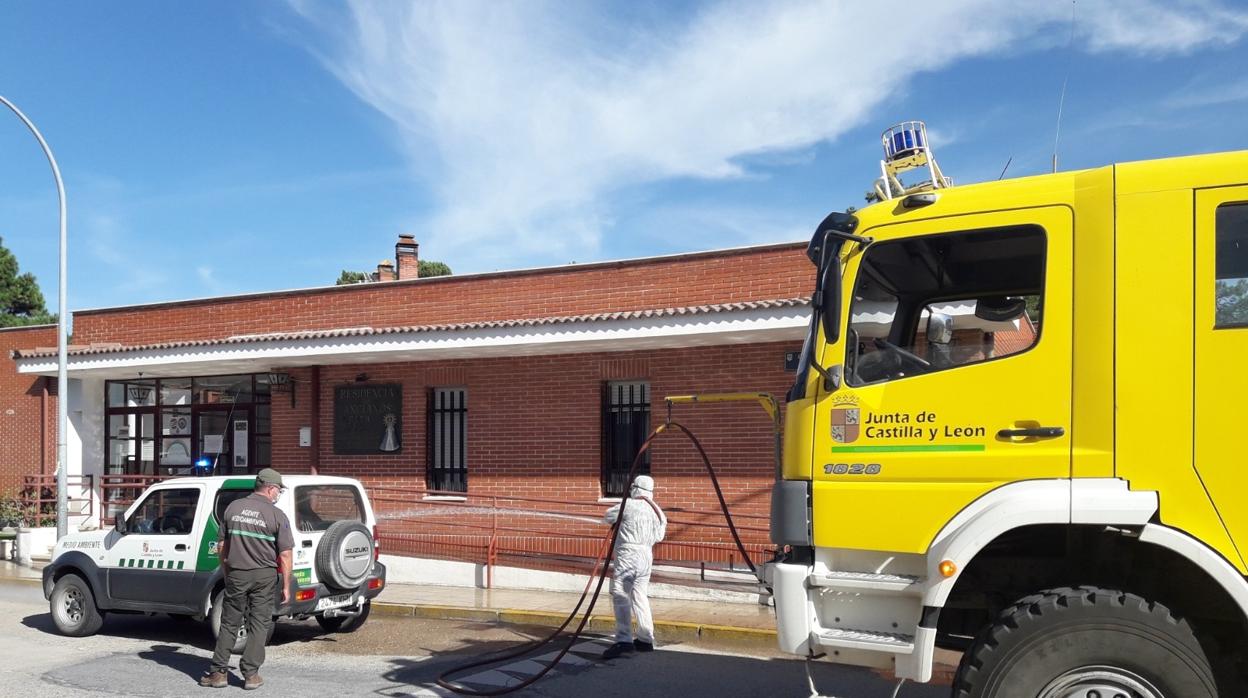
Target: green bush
12,513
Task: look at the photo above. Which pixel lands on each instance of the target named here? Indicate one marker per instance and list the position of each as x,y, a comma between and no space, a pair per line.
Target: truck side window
165,512
937,302
1231,263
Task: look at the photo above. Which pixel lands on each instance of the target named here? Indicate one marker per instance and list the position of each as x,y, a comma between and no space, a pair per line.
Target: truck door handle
307,544
1036,432
180,547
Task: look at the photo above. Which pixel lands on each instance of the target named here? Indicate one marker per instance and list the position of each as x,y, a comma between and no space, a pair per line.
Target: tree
428,268
21,301
352,277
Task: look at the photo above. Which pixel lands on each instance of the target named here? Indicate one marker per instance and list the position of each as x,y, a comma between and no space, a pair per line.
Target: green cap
269,476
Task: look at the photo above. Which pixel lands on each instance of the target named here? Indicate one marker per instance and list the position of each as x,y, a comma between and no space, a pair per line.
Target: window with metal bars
447,469
625,424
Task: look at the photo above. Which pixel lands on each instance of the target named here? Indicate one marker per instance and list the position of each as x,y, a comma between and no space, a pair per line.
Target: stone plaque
368,419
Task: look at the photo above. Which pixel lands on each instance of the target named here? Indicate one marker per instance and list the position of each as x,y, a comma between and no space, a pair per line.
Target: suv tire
1093,639
344,557
214,621
346,624
73,608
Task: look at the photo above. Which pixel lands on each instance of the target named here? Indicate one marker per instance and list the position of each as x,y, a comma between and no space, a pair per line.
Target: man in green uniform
255,544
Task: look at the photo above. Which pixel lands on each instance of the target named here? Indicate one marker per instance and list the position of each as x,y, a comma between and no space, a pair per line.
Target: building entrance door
223,445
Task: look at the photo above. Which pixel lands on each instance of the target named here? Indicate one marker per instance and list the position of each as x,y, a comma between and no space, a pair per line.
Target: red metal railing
38,496
550,534
492,530
118,492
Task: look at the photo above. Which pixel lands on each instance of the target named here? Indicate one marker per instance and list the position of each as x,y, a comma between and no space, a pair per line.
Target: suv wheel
1086,642
73,607
345,624
214,619
344,557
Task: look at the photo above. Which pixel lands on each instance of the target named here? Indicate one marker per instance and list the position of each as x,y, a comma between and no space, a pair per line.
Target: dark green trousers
249,592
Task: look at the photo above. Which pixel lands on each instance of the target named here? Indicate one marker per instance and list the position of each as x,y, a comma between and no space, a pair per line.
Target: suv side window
1231,293
937,302
317,507
224,499
168,512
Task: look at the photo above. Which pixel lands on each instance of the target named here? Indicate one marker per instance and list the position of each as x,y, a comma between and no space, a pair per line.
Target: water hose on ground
599,574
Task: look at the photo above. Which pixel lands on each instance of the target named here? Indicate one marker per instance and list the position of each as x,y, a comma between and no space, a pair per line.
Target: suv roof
287,480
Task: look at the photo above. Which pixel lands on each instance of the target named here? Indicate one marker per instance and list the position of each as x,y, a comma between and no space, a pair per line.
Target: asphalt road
392,657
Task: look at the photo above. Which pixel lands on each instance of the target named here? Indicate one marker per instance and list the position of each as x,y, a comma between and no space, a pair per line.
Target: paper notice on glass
149,451
212,443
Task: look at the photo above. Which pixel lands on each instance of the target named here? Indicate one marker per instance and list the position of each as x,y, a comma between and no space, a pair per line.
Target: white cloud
526,118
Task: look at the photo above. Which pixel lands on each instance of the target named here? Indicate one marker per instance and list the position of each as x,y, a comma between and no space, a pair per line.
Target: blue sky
229,147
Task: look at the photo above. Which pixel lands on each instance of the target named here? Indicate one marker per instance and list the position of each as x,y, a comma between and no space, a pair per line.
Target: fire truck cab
1017,431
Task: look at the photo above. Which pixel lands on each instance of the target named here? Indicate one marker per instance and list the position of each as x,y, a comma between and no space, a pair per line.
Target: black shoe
641,646
618,649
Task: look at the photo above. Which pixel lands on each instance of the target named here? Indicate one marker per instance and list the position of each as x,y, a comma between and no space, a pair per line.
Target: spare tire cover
344,557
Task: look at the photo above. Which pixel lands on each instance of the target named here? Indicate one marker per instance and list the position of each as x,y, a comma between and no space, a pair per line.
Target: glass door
223,442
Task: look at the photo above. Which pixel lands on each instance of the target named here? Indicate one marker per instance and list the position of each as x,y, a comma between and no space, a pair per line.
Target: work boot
214,679
618,649
643,646
253,682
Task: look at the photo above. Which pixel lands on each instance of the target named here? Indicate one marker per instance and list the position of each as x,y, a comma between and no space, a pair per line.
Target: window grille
448,440
625,424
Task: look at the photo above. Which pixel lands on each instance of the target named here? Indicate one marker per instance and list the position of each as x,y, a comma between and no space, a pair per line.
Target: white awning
711,325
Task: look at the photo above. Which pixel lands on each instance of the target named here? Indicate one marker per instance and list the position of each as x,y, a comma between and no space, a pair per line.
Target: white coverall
644,525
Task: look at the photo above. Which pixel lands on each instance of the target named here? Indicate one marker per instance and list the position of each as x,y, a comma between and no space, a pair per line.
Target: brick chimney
407,256
385,270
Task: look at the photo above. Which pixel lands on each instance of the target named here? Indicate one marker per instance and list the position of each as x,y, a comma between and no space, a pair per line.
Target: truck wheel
73,608
344,556
1079,643
214,619
345,624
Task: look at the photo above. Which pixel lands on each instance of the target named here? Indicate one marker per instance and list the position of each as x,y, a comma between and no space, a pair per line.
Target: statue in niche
389,441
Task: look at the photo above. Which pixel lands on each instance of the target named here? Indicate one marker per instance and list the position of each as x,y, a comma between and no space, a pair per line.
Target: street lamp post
62,375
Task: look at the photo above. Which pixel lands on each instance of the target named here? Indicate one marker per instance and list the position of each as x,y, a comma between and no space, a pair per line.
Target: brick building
524,383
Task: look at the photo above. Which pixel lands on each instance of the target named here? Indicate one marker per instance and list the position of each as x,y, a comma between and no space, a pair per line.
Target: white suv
161,556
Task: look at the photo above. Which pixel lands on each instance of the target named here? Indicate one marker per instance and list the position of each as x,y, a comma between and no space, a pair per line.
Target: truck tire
1086,641
214,621
344,557
346,624
73,608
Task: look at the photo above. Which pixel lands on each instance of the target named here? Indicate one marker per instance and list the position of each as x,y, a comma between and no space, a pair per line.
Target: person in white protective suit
644,525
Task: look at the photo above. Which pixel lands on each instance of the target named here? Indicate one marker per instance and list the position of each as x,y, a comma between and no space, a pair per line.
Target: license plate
333,602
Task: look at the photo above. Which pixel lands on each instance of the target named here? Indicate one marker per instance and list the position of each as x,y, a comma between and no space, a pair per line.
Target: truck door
154,561
956,360
1221,336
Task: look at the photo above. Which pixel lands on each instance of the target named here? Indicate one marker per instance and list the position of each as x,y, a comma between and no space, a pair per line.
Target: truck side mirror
830,298
939,328
119,523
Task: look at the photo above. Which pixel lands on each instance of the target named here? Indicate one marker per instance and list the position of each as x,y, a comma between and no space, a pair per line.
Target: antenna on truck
1061,100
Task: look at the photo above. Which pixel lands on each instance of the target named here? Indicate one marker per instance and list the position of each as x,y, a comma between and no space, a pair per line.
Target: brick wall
534,423
762,273
25,445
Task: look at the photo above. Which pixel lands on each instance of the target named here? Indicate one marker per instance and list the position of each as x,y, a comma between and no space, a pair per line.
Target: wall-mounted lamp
282,382
361,377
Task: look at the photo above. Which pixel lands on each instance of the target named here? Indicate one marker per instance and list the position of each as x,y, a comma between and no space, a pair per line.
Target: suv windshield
317,507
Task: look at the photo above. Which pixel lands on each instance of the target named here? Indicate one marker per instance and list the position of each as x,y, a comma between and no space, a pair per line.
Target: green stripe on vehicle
253,534
926,448
180,564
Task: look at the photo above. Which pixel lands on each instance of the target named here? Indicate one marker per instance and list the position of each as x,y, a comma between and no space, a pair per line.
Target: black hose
601,574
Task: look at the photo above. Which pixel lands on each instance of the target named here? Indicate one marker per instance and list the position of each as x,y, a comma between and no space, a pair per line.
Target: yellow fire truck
1018,431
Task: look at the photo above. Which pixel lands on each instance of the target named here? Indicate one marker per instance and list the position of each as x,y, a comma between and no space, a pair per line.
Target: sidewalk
674,620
